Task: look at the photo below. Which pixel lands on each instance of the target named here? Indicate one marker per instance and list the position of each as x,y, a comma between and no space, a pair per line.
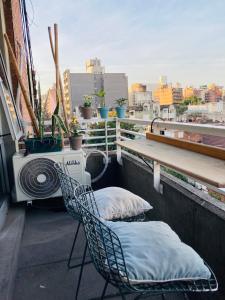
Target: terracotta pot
86,112
76,142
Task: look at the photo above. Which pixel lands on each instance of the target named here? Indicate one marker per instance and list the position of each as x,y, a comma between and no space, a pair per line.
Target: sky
184,40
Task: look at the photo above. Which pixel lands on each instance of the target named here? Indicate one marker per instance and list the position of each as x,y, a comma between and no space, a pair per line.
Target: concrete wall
115,86
80,85
198,219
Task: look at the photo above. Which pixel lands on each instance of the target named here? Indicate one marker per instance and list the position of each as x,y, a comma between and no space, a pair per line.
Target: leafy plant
121,101
57,122
183,106
75,127
87,100
101,95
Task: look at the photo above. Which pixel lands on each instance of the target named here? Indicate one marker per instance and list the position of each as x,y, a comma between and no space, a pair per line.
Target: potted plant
120,108
51,143
103,109
75,137
86,109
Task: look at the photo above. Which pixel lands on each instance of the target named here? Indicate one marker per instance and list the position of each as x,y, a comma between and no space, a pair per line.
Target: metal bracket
156,177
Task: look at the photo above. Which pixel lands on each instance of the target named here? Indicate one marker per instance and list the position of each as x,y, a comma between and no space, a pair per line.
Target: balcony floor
42,271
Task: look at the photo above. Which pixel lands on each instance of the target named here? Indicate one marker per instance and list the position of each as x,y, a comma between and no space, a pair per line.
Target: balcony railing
102,134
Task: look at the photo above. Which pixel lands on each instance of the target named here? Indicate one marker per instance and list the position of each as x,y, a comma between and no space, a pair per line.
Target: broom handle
60,79
23,89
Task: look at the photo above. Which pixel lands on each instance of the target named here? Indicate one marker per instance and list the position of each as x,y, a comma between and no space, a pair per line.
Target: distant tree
193,100
183,106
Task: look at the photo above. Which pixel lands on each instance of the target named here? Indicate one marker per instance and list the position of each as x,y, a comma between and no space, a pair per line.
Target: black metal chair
68,185
107,255
71,191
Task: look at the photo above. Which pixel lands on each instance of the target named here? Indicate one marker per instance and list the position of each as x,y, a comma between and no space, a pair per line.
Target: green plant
175,174
101,95
57,122
87,100
183,106
75,127
121,101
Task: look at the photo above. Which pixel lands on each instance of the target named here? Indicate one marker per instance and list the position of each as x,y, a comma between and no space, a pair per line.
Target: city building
168,112
190,91
50,102
138,95
163,80
93,66
167,95
76,85
213,94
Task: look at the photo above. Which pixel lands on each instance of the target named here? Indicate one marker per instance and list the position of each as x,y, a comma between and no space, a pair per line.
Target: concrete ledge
10,240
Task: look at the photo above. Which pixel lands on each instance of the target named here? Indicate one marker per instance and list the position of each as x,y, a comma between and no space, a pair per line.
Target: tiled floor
43,273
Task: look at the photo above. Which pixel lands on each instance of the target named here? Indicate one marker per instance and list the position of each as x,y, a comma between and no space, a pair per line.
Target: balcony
44,242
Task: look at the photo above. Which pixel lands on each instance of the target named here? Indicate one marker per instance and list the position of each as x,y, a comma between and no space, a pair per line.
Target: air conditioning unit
36,178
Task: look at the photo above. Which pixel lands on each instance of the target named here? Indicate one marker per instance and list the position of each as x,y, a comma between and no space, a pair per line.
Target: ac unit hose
99,176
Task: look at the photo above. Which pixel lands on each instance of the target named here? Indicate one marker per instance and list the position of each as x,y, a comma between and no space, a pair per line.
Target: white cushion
153,252
118,203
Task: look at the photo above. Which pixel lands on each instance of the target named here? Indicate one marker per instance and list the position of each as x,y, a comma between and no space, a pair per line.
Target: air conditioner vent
38,178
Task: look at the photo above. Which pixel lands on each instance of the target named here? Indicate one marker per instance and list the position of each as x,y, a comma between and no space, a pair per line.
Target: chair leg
81,270
163,297
186,296
122,295
71,251
104,289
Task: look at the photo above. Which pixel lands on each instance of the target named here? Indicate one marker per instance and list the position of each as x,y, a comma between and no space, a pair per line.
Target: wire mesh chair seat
107,255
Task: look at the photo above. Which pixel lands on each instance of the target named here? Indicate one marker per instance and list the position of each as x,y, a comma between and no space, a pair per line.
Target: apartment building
76,85
167,95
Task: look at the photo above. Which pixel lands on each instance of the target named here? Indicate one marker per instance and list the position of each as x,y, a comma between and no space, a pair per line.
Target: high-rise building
76,85
163,80
93,66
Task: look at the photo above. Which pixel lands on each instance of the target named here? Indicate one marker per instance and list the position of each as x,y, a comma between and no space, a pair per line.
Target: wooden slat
199,148
205,168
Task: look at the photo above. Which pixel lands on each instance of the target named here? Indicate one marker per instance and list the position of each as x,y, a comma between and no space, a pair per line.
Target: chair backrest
71,191
85,194
104,245
68,185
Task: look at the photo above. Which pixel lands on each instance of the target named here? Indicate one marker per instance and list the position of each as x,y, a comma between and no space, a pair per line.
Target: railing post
118,148
106,138
156,177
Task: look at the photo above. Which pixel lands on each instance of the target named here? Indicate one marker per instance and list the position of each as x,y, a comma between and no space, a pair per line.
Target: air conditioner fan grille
38,178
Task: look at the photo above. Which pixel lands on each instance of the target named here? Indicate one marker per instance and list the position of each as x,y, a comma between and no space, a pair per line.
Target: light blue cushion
154,252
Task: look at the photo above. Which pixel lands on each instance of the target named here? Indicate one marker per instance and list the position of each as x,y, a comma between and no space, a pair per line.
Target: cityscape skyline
142,39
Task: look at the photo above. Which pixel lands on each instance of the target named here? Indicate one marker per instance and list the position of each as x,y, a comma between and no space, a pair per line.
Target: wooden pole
23,89
60,79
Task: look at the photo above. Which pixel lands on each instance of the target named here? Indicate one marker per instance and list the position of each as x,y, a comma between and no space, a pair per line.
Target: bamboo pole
23,89
60,78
